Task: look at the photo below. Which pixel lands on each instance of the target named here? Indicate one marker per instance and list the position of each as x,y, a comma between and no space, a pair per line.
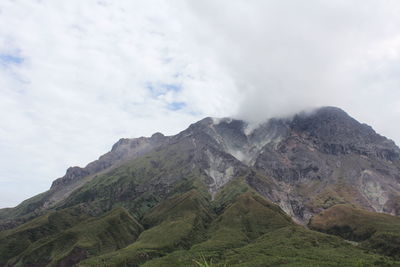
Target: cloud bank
75,76
289,55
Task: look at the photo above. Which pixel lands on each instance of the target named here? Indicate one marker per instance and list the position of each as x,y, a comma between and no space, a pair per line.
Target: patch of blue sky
176,106
8,59
172,87
7,63
157,89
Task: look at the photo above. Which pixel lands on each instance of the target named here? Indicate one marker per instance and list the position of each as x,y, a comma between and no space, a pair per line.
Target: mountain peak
331,110
309,148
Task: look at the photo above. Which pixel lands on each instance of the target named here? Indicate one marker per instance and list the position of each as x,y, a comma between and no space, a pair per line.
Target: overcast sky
75,76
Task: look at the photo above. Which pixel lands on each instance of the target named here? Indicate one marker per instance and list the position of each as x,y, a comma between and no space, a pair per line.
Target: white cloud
75,76
83,84
288,55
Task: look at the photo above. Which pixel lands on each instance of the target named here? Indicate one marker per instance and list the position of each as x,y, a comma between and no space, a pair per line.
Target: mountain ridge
220,188
262,148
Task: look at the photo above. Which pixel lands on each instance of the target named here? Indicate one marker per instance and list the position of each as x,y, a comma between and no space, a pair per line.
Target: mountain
284,192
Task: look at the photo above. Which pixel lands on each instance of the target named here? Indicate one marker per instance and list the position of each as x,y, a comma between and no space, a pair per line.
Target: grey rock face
329,158
72,174
313,161
337,133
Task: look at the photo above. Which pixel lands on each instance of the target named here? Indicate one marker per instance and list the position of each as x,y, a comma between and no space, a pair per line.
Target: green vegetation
19,239
229,193
69,244
376,231
185,230
174,224
140,184
202,262
254,232
296,246
26,211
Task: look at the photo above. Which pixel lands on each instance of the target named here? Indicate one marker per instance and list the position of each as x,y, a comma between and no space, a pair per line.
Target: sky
76,76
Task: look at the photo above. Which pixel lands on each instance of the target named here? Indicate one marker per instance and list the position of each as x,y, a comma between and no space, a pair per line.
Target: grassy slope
94,236
115,187
175,224
16,240
25,207
240,228
247,231
296,246
112,189
24,212
140,184
376,231
254,232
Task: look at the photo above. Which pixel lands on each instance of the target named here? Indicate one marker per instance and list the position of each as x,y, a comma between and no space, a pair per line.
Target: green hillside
244,230
250,231
53,244
375,231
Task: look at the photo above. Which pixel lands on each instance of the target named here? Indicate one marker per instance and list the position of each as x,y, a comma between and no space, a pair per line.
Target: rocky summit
316,189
